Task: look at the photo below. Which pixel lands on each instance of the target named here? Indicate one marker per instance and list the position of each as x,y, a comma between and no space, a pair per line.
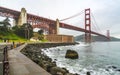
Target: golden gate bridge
50,25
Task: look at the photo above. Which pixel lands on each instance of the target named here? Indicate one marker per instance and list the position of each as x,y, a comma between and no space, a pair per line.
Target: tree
41,37
19,31
40,31
28,30
15,28
5,25
25,31
6,22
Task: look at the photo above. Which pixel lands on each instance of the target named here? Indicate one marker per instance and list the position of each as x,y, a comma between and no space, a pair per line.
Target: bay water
99,58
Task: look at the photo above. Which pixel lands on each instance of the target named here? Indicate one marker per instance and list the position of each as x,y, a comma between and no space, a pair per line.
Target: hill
9,35
96,38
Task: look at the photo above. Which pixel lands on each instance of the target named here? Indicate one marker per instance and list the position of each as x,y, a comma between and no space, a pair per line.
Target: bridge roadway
6,12
21,65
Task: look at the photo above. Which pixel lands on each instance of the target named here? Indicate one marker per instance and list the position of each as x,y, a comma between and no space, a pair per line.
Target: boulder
57,71
71,54
118,70
88,73
114,67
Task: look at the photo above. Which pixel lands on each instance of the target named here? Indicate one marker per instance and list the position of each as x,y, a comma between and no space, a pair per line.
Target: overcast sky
106,12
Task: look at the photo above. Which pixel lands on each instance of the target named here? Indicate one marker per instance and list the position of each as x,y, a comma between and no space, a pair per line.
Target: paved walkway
21,65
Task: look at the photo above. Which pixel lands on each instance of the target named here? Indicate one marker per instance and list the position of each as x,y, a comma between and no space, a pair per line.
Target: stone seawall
48,45
33,51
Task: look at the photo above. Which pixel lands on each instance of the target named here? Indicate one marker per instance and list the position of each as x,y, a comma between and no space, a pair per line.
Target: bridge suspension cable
73,16
95,24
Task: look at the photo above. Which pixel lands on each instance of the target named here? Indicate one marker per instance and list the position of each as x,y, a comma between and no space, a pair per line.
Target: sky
105,12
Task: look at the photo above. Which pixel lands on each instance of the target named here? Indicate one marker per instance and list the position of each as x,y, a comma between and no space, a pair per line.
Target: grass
13,37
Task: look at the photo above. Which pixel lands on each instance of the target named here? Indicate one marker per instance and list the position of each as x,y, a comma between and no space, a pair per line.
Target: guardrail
5,62
5,57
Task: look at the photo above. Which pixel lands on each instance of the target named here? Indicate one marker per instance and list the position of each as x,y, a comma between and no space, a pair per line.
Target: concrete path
21,65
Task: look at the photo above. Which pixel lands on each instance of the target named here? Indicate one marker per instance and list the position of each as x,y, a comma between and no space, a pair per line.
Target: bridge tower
57,26
87,26
54,28
23,17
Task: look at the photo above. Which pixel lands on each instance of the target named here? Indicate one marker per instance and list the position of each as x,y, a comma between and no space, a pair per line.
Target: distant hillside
95,38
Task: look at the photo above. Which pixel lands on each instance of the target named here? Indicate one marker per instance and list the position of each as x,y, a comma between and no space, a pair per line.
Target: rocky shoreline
34,52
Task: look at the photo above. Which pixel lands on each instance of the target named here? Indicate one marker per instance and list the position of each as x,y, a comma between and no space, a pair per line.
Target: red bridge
50,25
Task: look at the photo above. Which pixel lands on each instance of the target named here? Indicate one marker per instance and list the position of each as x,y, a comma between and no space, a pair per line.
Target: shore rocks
71,54
34,52
57,71
112,67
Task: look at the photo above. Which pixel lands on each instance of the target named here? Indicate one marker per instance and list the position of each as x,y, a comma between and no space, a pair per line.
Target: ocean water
99,58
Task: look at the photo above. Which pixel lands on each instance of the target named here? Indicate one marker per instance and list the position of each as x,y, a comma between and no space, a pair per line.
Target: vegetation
41,36
4,26
18,33
40,31
24,31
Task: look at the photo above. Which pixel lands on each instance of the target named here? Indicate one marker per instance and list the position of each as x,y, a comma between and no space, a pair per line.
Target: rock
114,67
55,59
118,70
59,73
44,64
69,74
36,60
71,54
56,70
34,52
48,68
76,74
66,70
88,73
53,64
107,69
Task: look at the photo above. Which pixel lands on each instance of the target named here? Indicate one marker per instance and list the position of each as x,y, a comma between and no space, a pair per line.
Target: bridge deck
6,12
21,65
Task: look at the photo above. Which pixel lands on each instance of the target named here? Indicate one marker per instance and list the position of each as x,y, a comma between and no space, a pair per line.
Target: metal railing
5,62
